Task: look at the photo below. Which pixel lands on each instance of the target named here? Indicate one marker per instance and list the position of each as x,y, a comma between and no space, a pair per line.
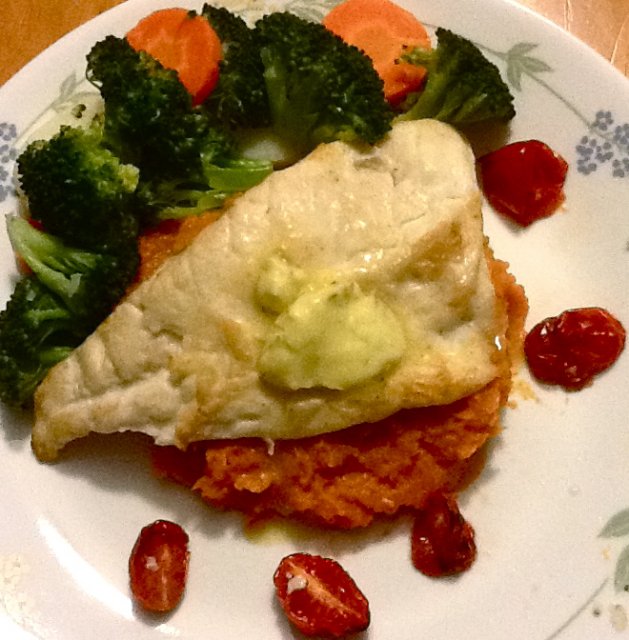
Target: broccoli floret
149,120
89,283
462,86
37,331
78,190
320,88
172,199
239,99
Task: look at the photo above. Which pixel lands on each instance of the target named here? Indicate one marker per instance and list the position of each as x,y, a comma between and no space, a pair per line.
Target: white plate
553,480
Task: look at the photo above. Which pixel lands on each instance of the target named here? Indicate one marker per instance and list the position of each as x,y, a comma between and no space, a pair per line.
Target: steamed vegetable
384,31
36,332
240,98
150,121
67,293
78,190
463,87
319,88
88,283
183,41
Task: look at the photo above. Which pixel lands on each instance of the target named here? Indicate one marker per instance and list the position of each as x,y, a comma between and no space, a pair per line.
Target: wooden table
34,24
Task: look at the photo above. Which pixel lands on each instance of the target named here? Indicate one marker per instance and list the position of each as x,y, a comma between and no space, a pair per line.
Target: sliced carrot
383,30
183,41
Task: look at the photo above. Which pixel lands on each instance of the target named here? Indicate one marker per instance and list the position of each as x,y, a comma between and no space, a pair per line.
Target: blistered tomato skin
524,181
158,566
570,349
442,541
319,597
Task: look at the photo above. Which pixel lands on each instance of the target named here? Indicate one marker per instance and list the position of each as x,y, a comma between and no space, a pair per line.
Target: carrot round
382,30
183,41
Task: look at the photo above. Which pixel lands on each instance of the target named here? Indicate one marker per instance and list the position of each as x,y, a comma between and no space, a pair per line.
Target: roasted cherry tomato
442,541
573,347
319,597
524,181
158,566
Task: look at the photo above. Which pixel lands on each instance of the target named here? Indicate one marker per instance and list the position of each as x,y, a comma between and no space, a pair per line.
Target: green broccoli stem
174,200
56,265
462,87
200,202
52,355
430,101
236,175
292,120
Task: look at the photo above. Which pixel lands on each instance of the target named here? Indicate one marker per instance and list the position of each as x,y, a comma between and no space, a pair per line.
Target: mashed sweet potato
348,478
168,238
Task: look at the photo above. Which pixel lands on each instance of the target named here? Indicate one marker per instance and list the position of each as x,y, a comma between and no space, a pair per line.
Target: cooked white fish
340,290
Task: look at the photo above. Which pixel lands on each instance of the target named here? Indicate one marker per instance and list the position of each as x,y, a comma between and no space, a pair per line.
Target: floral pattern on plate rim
8,154
604,142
